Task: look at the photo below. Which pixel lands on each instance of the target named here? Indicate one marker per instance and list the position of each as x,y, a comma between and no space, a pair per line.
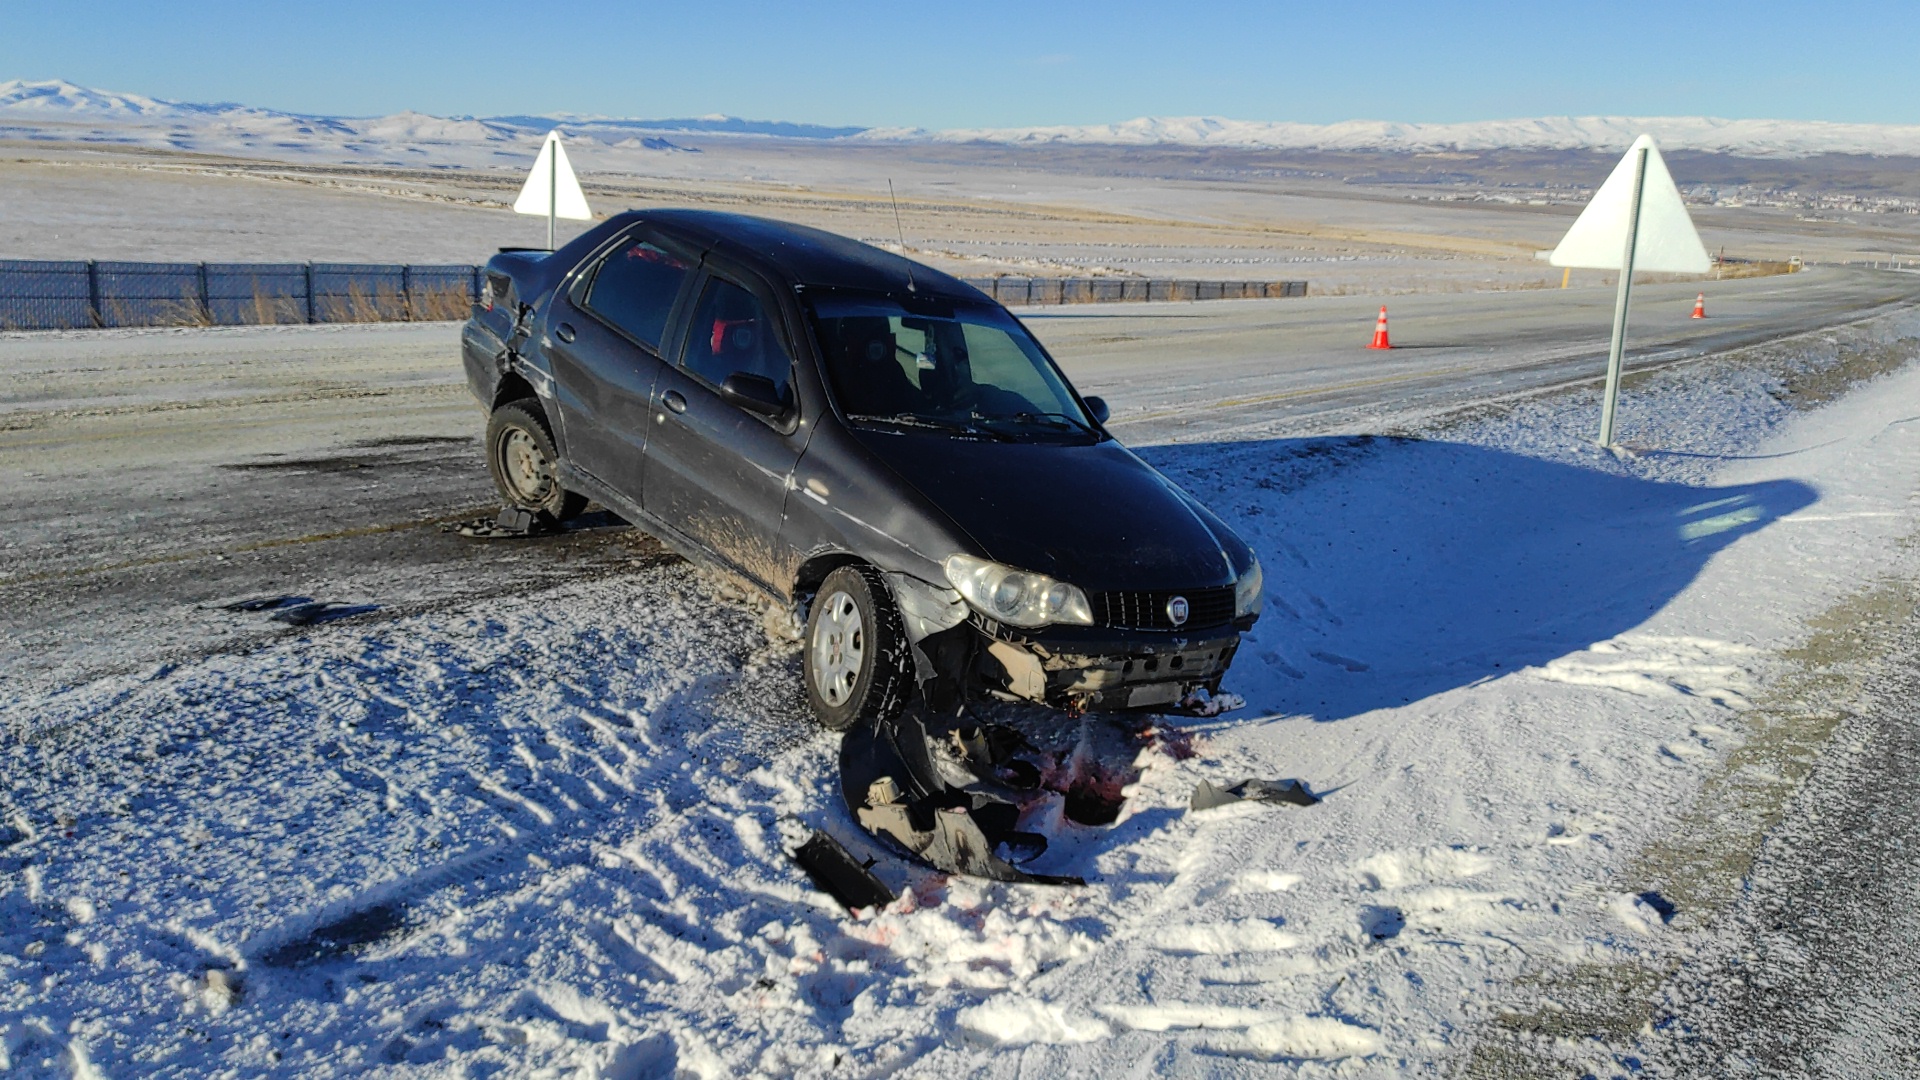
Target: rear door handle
673,401
564,332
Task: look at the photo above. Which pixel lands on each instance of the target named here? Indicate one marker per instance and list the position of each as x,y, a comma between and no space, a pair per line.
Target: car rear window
635,289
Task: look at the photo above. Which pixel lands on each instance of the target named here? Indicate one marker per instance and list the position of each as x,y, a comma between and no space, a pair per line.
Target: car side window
733,334
635,290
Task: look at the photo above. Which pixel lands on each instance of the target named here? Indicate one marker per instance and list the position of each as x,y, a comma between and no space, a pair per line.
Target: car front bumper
1104,670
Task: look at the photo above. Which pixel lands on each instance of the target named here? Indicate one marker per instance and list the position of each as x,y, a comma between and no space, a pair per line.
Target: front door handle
564,332
673,401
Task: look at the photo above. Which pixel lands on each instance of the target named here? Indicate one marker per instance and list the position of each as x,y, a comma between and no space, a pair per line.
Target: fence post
309,292
93,295
406,292
206,303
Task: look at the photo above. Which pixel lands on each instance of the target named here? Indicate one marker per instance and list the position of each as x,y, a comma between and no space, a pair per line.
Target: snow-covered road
537,821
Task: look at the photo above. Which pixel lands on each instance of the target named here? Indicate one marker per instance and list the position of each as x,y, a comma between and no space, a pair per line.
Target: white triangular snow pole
551,188
1636,220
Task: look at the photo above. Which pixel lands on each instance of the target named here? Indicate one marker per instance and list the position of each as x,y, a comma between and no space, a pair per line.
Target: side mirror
754,393
1098,407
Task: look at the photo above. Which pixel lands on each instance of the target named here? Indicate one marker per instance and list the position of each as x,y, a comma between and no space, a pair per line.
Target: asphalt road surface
1817,977
154,476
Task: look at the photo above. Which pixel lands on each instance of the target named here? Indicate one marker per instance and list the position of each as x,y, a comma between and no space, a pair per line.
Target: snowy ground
544,834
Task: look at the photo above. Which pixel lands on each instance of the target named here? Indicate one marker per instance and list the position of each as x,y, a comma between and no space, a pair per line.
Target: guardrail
49,295
1044,290
74,295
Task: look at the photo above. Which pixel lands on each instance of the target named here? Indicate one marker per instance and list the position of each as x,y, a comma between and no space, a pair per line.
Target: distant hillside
119,117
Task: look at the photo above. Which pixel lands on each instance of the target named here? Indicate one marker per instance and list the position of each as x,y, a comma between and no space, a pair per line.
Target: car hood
1093,515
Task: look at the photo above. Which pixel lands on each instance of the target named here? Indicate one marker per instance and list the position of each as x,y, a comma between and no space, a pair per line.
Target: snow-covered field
546,835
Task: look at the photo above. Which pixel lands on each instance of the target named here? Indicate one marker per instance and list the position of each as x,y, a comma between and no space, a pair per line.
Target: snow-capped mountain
1752,138
133,118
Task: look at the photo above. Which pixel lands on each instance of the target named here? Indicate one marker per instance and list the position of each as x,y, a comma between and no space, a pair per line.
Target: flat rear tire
524,462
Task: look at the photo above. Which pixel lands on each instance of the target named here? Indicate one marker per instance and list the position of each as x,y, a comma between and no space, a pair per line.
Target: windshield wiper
931,423
1056,419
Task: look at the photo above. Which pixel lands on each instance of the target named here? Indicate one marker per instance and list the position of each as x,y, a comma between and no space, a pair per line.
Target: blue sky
991,63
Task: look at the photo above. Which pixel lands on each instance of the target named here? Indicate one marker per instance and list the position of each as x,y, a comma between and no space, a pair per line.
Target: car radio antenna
901,229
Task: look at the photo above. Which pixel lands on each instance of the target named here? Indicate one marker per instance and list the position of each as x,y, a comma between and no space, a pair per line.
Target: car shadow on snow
1400,568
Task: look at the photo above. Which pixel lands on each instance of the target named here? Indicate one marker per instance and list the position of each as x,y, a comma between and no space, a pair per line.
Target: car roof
809,257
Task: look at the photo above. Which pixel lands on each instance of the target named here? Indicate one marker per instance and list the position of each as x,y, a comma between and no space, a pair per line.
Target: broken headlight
1016,597
1246,592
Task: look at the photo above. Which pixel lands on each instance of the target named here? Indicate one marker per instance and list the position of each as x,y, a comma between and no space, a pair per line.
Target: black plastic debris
513,522
835,871
989,750
895,790
1208,794
266,603
316,612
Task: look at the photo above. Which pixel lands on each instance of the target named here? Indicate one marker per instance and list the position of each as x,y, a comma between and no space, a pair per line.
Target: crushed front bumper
1103,670
1076,668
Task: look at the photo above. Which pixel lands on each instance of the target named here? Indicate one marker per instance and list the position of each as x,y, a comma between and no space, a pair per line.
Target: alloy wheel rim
839,648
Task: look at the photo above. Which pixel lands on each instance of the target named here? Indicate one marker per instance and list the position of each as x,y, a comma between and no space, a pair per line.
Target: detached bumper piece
892,785
1288,792
835,872
512,524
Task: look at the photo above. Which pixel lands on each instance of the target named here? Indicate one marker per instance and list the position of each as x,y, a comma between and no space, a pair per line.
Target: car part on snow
838,874
298,610
895,789
266,603
1208,794
513,522
311,614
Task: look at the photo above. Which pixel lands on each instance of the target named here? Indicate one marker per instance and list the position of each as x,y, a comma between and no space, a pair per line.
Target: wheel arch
514,388
814,571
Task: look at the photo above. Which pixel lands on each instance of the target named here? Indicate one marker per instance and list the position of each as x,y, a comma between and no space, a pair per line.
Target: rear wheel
522,460
857,663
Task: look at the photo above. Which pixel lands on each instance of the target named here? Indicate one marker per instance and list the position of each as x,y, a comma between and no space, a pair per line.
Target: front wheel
857,663
522,460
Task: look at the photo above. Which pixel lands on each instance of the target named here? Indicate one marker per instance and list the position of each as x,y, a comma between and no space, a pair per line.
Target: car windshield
971,371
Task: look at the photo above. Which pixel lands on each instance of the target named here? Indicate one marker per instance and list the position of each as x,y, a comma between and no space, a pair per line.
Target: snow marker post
1636,220
1616,351
552,190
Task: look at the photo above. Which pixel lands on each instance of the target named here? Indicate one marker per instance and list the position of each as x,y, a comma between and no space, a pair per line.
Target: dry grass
1752,269
447,304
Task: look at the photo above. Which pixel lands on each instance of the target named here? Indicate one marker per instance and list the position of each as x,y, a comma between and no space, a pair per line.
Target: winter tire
522,459
856,660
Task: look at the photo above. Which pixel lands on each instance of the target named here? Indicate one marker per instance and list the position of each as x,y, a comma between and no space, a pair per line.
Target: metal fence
50,295
1042,290
47,295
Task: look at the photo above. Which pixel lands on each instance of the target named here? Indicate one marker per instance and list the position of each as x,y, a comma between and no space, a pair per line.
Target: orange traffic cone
1700,306
1380,331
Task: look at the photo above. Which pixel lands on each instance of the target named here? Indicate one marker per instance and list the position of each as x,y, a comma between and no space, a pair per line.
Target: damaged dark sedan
872,442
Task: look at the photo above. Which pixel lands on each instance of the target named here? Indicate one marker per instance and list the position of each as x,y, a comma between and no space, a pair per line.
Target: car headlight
1016,597
1247,592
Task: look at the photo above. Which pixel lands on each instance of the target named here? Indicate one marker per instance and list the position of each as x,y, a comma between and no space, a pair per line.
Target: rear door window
635,290
732,333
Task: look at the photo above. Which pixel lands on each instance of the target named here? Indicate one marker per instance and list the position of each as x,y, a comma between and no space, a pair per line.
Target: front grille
1206,608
